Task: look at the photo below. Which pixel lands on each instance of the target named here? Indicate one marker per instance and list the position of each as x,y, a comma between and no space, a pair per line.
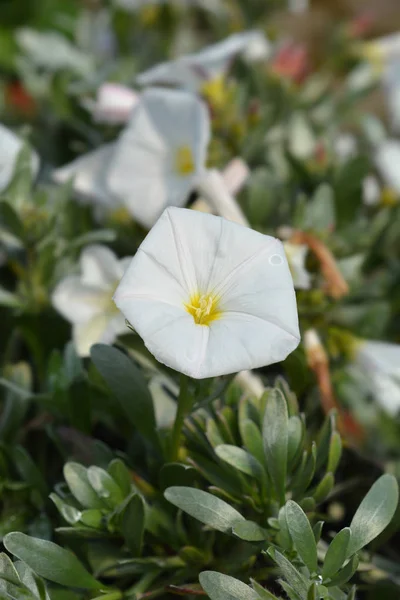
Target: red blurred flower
361,25
19,100
291,62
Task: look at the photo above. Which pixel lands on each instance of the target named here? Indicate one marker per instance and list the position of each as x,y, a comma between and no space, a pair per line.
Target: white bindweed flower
213,188
296,255
193,70
161,154
85,300
380,365
371,190
114,104
345,146
10,146
387,161
210,297
88,173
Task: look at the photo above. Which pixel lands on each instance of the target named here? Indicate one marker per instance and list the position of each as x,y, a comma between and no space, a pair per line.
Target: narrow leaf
275,438
302,535
224,587
50,561
205,507
336,554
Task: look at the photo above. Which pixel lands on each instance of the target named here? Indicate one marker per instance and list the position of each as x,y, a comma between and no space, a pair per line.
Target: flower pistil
203,308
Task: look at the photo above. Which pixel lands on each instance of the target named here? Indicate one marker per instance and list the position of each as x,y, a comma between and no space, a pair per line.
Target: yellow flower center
388,197
374,55
215,91
203,308
184,163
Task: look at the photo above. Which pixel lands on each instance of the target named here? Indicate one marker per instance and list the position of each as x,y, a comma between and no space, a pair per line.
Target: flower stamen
203,308
184,163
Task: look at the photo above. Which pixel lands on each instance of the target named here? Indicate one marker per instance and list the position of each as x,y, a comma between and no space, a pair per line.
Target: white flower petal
212,187
114,103
192,70
95,331
142,173
387,160
386,392
100,267
371,190
188,253
77,302
296,255
381,356
89,173
10,146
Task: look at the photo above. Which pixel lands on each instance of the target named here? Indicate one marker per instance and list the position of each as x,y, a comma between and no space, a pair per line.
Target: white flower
250,383
85,300
213,187
156,162
10,146
296,256
193,70
210,297
51,51
113,105
161,154
345,146
387,161
88,173
380,364
371,190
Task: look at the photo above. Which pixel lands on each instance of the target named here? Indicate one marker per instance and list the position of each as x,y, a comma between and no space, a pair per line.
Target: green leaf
120,473
252,439
78,482
129,388
324,487
68,512
295,579
132,527
9,299
10,221
50,561
249,531
223,587
241,460
312,592
374,513
317,530
7,569
205,507
302,535
296,434
262,592
105,486
344,574
275,438
337,553
29,471
335,452
73,364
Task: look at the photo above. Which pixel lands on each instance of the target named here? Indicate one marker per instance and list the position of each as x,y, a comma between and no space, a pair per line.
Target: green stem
185,403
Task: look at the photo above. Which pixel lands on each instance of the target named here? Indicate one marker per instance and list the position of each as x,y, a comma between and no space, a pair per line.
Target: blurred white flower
161,154
85,300
296,256
51,51
89,176
113,105
157,162
380,365
193,70
387,161
10,146
345,146
210,297
214,189
302,142
250,383
371,190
